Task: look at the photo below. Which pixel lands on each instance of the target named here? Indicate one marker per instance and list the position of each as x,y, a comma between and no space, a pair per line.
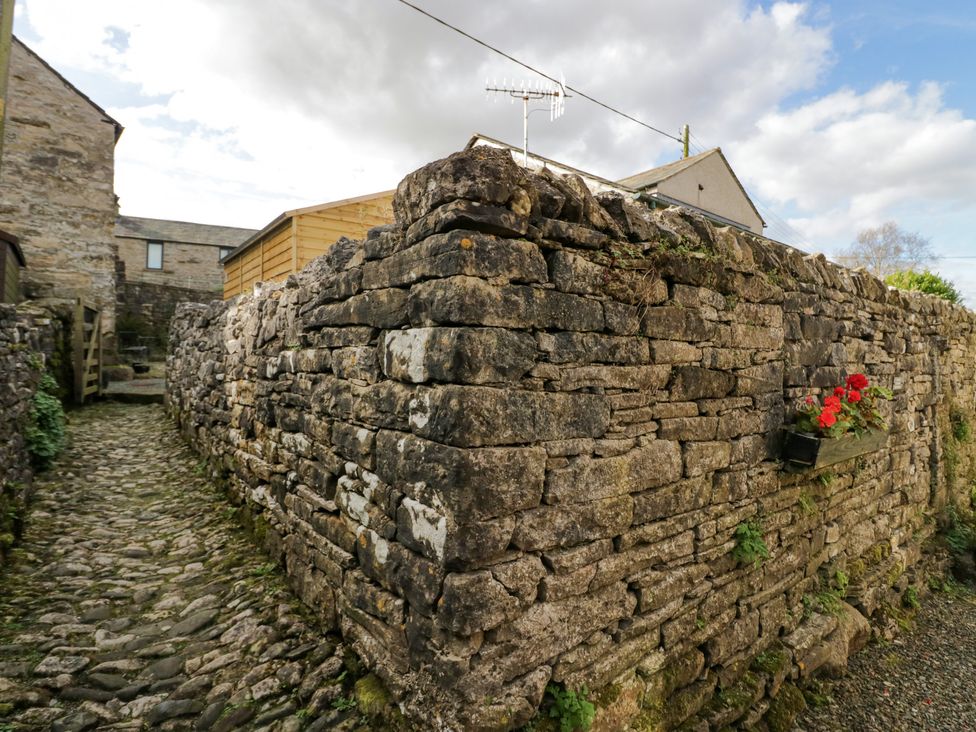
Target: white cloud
847,161
251,107
247,108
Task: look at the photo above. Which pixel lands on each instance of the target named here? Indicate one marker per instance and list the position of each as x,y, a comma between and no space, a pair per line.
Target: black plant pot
815,452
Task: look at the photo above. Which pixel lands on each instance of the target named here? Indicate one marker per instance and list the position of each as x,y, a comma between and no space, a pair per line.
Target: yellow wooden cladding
298,237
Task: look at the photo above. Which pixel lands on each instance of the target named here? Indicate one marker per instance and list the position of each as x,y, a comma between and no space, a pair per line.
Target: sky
836,116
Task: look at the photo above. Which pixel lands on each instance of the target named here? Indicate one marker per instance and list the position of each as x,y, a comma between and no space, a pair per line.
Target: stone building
56,186
163,263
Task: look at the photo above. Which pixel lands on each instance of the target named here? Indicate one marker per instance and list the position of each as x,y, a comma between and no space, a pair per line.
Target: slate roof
663,172
184,232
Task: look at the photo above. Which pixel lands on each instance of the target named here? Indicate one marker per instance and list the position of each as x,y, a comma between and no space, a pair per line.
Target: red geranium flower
809,400
853,396
839,391
832,404
857,381
826,418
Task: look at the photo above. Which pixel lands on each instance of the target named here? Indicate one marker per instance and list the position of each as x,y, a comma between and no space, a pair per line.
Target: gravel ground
923,681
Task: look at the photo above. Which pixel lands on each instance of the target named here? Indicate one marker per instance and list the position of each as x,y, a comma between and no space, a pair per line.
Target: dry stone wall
508,441
29,337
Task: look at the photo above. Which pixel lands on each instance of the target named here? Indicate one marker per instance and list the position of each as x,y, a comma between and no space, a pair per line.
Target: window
224,251
154,255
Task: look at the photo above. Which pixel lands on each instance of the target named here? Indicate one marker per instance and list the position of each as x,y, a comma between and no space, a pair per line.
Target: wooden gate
87,351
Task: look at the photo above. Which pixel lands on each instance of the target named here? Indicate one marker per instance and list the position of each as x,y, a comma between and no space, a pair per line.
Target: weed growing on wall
571,708
961,431
44,433
749,545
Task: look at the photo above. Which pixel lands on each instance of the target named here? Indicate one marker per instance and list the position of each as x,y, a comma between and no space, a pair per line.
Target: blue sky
837,116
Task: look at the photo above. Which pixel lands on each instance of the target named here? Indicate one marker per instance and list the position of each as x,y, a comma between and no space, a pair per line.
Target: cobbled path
136,601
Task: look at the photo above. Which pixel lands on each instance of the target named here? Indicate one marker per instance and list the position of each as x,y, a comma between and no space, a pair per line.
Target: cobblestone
137,601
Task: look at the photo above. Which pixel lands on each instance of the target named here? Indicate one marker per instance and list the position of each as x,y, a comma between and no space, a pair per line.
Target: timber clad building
297,237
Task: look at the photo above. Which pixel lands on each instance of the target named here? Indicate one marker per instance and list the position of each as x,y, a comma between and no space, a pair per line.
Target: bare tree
886,249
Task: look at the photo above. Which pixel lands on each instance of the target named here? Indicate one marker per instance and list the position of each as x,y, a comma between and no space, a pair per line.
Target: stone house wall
56,189
509,440
187,266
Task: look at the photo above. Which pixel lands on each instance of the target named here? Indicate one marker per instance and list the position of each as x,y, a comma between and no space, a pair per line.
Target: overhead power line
534,70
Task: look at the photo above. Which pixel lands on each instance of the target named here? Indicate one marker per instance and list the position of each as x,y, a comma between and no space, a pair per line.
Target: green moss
371,696
741,695
817,693
807,503
771,661
961,431
856,570
607,695
950,460
895,573
784,708
260,529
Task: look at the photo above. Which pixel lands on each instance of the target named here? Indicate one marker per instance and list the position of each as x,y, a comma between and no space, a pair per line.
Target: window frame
149,247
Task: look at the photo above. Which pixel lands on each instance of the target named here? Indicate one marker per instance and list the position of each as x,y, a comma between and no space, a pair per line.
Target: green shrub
749,545
927,282
573,710
44,433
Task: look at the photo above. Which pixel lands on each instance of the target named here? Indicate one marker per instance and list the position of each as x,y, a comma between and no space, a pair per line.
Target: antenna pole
685,134
555,94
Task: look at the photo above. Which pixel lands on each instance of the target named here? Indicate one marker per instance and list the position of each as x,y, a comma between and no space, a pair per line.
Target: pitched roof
184,232
652,177
663,172
256,236
108,118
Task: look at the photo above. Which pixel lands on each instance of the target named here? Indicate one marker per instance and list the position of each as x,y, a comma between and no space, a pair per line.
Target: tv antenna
553,91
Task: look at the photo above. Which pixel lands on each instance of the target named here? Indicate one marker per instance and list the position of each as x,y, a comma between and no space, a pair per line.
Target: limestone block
458,253
475,601
482,174
472,216
549,527
575,274
654,464
704,457
378,308
475,416
470,484
459,355
693,382
472,301
593,348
